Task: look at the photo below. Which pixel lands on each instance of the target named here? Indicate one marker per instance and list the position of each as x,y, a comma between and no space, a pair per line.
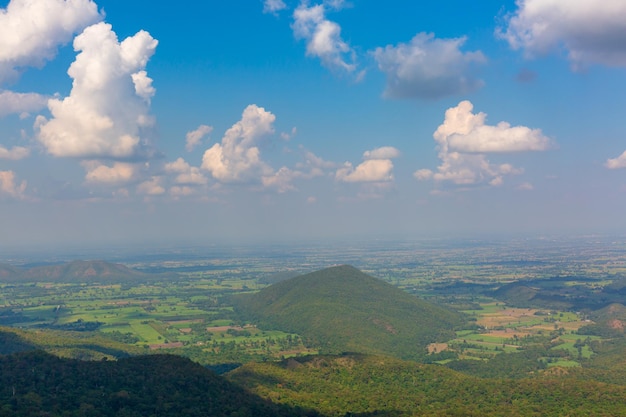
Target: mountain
341,309
76,271
7,271
39,384
364,385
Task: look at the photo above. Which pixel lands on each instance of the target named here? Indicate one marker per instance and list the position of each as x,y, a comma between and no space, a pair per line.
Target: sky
148,122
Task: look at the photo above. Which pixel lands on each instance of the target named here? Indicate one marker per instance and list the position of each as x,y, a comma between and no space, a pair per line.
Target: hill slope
342,309
360,385
76,271
38,384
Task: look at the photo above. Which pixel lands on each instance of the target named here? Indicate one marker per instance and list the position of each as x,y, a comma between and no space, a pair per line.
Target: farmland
190,312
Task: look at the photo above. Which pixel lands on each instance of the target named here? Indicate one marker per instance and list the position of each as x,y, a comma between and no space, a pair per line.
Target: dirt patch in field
506,317
223,328
437,347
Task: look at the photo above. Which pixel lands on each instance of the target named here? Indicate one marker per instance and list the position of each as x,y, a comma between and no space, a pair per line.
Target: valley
476,309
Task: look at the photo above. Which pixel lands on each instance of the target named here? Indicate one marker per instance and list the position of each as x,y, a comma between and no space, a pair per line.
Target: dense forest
37,383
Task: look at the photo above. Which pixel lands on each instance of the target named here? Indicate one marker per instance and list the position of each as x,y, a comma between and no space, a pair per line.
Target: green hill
609,322
357,385
341,309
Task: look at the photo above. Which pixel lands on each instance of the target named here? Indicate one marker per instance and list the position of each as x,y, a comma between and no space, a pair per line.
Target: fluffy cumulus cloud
9,185
282,180
15,153
464,140
616,163
12,103
185,173
117,173
151,187
323,37
428,68
376,167
194,138
32,30
590,31
107,112
237,157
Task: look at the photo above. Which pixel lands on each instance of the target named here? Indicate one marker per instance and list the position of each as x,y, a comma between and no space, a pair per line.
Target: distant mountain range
75,271
341,309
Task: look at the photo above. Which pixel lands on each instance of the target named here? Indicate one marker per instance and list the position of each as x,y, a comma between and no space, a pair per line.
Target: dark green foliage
75,326
556,293
513,365
341,309
359,385
37,383
11,343
78,345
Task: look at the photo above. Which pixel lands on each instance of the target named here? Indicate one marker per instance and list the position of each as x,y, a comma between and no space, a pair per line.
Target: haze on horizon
284,120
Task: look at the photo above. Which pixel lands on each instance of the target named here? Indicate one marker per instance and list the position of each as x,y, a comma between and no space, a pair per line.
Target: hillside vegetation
39,384
359,385
341,309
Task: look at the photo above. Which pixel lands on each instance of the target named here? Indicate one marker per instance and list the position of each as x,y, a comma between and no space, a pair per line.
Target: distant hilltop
342,309
75,271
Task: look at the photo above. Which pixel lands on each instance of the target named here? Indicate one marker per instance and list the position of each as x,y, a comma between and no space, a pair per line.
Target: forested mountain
39,384
359,385
341,309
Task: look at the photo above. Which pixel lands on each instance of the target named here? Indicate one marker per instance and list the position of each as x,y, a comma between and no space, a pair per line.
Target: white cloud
8,185
194,138
385,152
273,6
463,140
314,166
428,68
151,187
616,163
181,191
376,167
336,4
108,108
32,30
323,38
590,31
281,180
186,173
525,186
288,136
237,158
463,131
118,173
15,153
13,103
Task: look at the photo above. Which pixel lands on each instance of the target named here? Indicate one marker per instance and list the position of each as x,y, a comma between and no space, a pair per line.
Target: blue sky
148,123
